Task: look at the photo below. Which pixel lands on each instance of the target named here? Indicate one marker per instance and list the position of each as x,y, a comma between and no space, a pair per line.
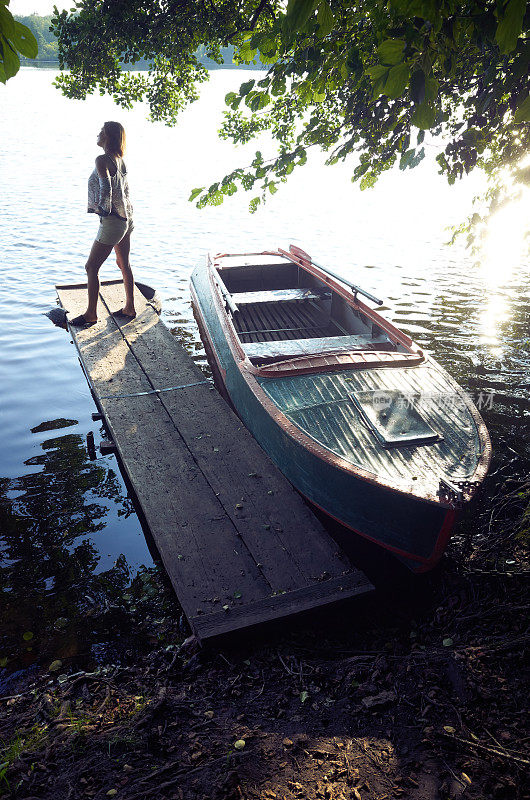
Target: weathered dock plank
231,531
185,517
236,468
294,602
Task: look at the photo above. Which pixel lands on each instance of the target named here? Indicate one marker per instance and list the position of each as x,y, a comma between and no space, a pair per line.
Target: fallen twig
182,773
495,751
102,705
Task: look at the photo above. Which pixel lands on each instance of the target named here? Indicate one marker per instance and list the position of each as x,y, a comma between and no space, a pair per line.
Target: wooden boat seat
278,296
327,344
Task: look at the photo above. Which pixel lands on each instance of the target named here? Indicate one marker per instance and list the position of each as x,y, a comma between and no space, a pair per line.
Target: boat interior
281,311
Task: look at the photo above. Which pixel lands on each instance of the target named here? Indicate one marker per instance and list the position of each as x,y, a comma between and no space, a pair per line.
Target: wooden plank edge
66,286
352,584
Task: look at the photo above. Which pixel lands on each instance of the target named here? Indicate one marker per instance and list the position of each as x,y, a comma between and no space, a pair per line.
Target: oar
299,253
355,289
226,294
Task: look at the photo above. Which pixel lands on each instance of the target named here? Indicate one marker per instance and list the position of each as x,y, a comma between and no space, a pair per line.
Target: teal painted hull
414,530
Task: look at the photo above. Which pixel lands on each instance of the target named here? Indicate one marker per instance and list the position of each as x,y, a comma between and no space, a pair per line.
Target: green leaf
195,193
269,58
424,116
368,182
7,22
278,87
325,19
391,51
523,112
246,53
474,138
304,696
272,187
11,59
298,12
245,88
377,72
354,63
257,100
404,162
431,89
24,41
379,86
254,203
510,26
229,188
229,98
417,86
27,636
359,171
265,43
215,198
412,8
397,80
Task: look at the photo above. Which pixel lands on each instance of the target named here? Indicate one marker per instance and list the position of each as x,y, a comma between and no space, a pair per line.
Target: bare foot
82,320
125,312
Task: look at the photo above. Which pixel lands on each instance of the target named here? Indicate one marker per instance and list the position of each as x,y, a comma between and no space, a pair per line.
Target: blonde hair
115,138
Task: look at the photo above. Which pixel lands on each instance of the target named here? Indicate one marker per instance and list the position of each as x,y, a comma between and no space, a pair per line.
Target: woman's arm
105,188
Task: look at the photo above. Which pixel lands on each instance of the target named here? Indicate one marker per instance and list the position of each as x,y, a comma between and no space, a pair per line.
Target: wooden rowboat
363,423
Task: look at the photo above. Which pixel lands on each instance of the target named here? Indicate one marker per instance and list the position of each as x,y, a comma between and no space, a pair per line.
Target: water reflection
494,311
55,602
505,243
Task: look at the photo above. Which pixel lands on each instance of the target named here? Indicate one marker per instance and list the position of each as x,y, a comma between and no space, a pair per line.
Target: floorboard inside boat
268,322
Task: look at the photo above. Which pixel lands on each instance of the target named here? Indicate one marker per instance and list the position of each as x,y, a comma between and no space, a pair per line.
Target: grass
22,742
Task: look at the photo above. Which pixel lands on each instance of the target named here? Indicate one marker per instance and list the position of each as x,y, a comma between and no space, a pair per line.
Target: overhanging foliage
362,79
16,39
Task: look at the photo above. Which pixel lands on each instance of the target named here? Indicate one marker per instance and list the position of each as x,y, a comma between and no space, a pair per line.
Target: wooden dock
239,544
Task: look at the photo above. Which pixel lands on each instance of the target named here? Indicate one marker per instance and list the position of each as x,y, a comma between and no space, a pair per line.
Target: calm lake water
67,525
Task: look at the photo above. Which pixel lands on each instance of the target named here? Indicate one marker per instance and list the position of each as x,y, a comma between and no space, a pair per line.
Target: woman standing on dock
108,196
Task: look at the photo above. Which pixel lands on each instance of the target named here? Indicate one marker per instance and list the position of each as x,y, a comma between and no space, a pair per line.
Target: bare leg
122,250
98,254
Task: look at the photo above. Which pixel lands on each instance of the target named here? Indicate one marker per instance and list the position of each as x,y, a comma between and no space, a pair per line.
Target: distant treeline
45,38
48,46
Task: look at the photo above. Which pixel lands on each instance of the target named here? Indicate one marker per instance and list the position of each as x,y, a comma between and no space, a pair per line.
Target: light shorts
112,229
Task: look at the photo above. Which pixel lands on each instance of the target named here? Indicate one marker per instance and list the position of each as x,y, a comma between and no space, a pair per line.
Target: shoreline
392,707
417,693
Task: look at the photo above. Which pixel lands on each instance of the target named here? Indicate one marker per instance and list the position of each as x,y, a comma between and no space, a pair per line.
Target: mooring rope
155,391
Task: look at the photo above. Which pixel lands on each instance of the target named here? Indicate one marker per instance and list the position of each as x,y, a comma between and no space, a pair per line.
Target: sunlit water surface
67,519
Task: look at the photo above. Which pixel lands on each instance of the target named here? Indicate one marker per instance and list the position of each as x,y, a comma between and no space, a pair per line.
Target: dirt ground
416,695
417,690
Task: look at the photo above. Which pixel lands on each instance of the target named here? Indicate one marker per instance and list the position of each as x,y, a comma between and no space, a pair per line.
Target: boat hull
416,531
